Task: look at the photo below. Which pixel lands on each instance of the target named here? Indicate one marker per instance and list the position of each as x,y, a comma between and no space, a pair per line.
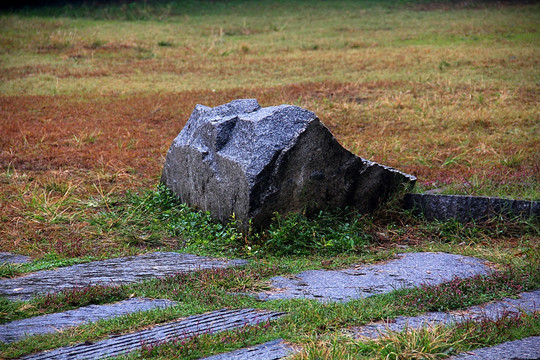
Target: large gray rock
242,159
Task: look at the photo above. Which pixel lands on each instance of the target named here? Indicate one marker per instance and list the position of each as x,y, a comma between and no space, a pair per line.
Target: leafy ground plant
479,289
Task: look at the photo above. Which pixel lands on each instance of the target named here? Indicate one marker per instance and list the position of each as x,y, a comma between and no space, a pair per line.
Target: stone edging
466,208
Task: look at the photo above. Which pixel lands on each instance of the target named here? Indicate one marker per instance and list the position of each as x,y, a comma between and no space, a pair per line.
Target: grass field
91,97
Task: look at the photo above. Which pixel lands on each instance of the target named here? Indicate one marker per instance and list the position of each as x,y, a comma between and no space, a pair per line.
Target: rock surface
108,272
50,323
409,270
272,350
210,323
528,302
249,161
465,208
524,349
10,258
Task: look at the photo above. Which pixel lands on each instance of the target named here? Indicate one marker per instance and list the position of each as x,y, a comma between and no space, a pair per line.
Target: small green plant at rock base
326,233
152,216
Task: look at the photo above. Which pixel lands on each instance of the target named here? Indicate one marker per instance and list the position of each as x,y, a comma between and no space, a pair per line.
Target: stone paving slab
108,272
213,322
50,323
407,271
10,258
272,350
524,349
465,207
528,302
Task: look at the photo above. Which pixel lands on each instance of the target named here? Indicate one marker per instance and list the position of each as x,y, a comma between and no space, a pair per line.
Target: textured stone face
251,161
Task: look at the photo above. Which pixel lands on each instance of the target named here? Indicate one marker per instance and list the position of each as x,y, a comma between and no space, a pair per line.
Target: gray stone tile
213,322
407,271
467,208
524,349
10,258
272,350
50,323
108,272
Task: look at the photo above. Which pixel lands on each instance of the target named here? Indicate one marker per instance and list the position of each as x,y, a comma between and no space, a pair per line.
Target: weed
459,293
443,65
64,300
327,233
200,344
439,341
8,269
164,43
432,342
489,332
325,350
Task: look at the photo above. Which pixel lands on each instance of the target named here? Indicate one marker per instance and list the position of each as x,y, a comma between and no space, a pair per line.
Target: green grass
159,215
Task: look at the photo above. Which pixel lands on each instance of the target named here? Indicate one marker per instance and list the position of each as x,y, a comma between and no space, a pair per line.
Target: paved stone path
272,350
524,349
16,330
409,270
10,258
209,323
112,271
529,302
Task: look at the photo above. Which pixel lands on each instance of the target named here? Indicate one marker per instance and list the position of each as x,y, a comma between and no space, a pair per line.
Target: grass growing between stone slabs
208,290
436,342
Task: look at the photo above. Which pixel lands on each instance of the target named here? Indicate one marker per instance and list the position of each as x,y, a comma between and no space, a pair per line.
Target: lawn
92,95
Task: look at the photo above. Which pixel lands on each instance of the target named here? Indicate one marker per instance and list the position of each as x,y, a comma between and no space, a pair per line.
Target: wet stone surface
529,302
10,258
272,350
524,349
189,327
407,271
16,330
108,272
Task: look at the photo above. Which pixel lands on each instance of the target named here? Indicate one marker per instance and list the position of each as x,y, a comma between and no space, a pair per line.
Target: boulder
241,159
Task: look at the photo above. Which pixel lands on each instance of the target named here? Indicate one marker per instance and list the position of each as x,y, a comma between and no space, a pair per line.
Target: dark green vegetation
91,96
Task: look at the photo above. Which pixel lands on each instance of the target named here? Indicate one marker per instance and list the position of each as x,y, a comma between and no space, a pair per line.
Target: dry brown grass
62,152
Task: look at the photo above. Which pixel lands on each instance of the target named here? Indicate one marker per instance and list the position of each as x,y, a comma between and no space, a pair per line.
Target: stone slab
465,208
407,271
108,272
272,350
528,302
524,349
213,322
50,323
11,258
